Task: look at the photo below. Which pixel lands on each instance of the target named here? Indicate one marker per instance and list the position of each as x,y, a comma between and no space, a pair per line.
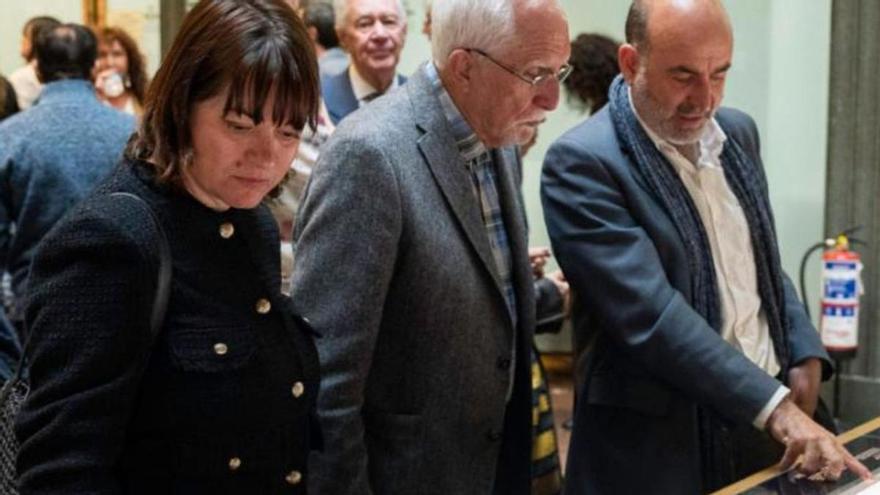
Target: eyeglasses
543,74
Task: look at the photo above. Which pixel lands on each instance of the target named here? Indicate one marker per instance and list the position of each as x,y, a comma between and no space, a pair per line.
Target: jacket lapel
449,170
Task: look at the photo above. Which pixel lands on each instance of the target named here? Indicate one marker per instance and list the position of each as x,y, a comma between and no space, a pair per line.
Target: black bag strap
163,285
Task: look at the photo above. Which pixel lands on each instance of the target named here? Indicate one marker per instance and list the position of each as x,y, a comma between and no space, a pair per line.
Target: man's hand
822,455
558,279
804,380
538,257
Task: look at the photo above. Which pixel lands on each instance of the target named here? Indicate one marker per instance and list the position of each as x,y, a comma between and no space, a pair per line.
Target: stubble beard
660,121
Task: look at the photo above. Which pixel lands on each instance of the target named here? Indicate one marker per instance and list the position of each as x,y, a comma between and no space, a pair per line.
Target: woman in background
594,58
220,401
121,78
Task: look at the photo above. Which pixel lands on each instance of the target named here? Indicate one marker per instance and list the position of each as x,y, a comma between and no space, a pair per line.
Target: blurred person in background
373,33
594,58
120,71
220,401
54,153
24,79
321,23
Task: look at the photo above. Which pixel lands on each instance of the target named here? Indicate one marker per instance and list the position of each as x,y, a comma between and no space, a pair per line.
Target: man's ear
628,59
459,68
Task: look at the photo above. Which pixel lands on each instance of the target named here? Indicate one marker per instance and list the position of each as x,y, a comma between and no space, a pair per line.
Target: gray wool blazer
418,353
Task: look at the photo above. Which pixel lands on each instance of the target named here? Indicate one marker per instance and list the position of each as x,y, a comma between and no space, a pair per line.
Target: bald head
676,60
648,19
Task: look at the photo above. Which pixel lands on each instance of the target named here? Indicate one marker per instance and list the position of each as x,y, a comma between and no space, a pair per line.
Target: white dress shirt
743,322
362,89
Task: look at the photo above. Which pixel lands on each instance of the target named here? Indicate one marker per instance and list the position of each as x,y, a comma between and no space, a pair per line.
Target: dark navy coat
652,358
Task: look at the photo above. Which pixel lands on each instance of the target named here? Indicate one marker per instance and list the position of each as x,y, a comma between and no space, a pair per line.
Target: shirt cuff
760,420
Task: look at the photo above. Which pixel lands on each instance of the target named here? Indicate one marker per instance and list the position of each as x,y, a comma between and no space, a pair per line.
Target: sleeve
615,269
346,245
804,341
87,315
548,306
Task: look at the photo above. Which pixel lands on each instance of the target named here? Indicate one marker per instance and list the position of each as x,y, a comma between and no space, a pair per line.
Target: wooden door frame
94,13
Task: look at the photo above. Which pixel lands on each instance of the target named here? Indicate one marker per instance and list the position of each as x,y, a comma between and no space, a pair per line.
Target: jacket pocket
641,394
394,451
212,350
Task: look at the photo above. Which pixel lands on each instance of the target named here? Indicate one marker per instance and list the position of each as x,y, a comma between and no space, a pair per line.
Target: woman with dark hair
594,58
24,79
121,78
220,399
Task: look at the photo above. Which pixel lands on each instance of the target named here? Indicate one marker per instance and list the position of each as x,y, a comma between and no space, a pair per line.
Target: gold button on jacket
220,349
263,306
234,463
293,478
298,389
226,230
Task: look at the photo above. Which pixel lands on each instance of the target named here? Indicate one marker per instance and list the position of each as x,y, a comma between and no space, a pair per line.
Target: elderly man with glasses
412,263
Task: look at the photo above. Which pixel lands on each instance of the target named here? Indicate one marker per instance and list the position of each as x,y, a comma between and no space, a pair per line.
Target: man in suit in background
658,213
373,33
412,263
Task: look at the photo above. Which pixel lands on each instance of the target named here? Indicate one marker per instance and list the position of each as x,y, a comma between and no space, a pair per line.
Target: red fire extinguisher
841,289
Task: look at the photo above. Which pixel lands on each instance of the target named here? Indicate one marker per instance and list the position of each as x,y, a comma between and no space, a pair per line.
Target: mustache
691,110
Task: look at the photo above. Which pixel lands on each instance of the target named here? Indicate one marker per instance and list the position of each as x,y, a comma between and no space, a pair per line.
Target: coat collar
67,90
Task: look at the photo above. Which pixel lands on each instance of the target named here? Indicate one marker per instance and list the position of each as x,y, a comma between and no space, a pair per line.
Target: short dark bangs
256,48
265,71
263,55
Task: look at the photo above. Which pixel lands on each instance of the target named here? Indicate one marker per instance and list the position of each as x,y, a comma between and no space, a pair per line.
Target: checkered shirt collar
469,145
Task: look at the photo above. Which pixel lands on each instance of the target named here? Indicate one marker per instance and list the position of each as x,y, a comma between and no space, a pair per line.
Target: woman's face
235,162
112,56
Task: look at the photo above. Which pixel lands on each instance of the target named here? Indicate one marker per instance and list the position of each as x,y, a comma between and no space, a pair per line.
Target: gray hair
340,11
482,24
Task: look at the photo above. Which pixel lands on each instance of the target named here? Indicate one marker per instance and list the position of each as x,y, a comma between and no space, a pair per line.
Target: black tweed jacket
219,403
